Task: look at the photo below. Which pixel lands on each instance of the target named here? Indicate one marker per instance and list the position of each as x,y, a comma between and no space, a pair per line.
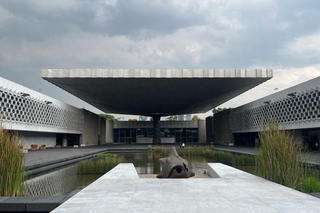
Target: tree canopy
172,118
195,118
216,110
108,117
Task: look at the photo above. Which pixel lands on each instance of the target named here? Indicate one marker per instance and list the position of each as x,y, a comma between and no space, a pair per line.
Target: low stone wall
42,204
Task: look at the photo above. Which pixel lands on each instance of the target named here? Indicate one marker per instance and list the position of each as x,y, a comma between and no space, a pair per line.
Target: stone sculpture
174,166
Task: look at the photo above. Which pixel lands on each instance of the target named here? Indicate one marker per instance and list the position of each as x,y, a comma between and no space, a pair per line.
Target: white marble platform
121,190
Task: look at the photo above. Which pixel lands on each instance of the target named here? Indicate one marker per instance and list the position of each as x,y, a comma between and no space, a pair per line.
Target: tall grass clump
229,158
278,159
160,151
101,165
194,150
11,165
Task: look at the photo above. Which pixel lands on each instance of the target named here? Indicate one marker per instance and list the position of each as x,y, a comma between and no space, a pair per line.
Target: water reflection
59,182
65,180
147,163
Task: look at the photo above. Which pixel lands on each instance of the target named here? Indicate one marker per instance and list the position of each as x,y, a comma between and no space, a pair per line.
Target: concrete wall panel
103,130
39,138
222,132
109,131
202,130
209,129
91,129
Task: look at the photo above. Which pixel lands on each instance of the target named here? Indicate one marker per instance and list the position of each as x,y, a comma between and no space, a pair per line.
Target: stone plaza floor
121,190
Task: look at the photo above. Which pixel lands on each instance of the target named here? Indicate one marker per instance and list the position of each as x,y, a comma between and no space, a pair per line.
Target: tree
108,117
172,118
216,110
195,118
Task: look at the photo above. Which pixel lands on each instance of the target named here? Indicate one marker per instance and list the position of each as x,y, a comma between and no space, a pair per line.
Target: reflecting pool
66,180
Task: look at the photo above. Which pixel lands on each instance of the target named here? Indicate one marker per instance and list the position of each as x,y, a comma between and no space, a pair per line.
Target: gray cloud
154,34
126,17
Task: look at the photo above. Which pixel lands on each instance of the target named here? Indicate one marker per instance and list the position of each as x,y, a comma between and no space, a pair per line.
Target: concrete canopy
155,92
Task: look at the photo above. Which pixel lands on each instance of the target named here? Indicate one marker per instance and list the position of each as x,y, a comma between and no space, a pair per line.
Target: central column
156,129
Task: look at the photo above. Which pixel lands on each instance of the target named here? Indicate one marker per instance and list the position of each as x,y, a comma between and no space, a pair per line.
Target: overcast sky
280,35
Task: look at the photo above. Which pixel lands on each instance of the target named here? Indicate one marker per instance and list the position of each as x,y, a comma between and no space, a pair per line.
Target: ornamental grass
11,165
101,165
279,158
208,152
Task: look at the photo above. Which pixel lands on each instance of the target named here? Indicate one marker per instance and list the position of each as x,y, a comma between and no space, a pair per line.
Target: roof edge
157,73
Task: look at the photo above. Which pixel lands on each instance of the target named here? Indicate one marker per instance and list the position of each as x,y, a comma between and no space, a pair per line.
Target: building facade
171,131
44,121
296,109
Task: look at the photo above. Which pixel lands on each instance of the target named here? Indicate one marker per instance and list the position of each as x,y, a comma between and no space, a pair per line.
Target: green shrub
309,185
11,165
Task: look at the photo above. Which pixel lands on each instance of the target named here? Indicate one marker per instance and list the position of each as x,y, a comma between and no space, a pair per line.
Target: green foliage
160,151
209,152
192,151
101,165
229,159
216,110
278,159
11,165
195,118
149,148
172,118
310,184
108,117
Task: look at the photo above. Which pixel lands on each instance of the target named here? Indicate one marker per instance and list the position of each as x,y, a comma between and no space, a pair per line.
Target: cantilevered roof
156,91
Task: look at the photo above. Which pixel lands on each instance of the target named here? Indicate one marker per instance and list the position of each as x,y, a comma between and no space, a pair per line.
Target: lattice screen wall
20,109
303,107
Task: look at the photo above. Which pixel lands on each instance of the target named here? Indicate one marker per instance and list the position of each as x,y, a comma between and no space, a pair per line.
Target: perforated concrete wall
24,109
295,108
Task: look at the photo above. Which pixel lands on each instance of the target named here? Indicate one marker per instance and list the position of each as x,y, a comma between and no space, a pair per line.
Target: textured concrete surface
15,204
90,128
121,190
294,108
156,91
31,204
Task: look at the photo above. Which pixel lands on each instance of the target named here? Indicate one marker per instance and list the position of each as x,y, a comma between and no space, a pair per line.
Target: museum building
296,109
44,121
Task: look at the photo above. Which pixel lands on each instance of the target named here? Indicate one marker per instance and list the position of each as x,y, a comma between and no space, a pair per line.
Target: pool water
65,180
